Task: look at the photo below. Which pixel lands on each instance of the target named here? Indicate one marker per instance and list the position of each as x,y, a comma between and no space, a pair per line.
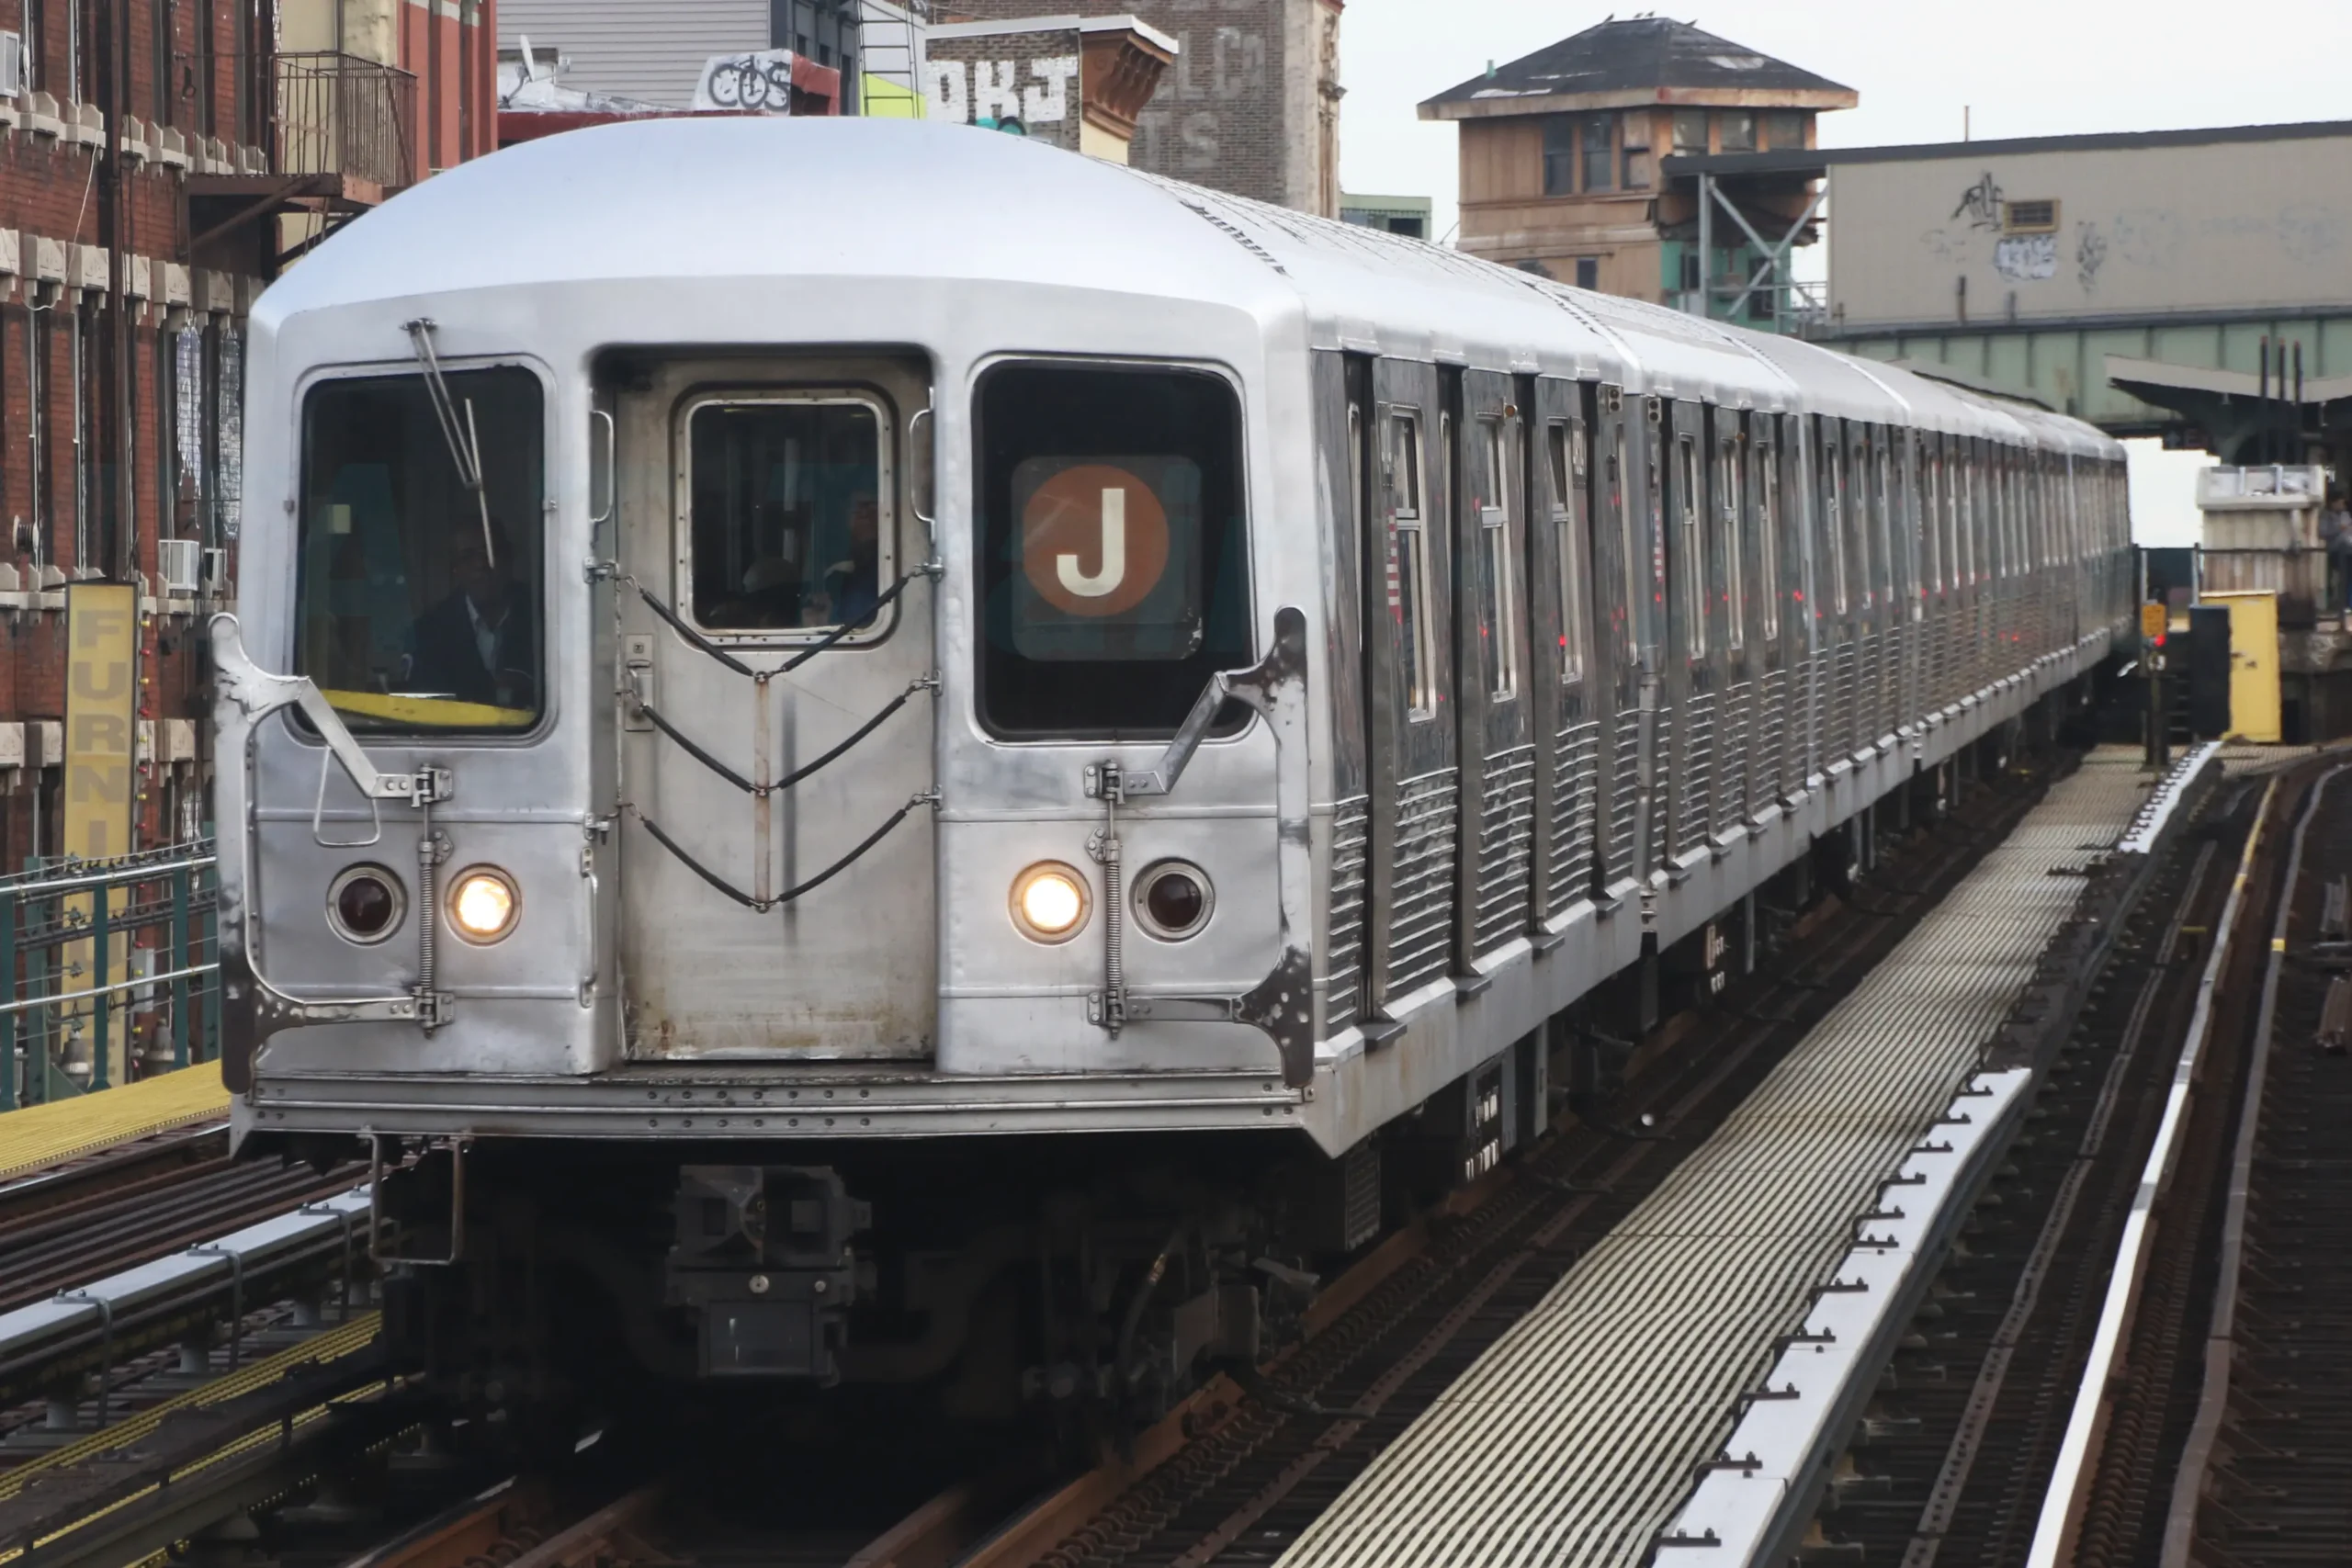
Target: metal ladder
890,50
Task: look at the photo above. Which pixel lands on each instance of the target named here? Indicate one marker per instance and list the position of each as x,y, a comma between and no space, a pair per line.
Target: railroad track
2236,1449
179,1193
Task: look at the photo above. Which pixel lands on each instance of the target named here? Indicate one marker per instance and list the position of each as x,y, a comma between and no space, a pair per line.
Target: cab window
1114,571
786,497
417,607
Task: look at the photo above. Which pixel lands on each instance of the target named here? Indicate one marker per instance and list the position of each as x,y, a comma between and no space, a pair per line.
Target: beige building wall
2139,231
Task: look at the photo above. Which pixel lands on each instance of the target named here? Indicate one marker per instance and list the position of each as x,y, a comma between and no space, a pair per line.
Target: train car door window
1564,448
1495,532
1113,555
415,612
1409,584
1633,551
1833,515
1692,542
785,497
1730,497
1768,529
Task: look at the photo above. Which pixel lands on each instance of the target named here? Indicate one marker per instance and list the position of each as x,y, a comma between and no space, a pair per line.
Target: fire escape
339,132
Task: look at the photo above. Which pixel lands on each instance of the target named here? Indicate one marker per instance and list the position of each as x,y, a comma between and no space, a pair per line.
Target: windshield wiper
464,441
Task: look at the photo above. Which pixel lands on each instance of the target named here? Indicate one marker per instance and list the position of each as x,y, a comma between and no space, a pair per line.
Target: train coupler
763,1254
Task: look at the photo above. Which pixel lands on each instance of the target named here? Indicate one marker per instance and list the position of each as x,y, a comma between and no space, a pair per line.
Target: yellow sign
2152,622
101,753
101,716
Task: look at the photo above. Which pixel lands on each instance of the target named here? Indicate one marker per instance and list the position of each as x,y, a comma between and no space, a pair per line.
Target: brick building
160,160
1079,83
1251,104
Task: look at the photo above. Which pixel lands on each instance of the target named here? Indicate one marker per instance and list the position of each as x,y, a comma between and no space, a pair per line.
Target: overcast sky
2021,67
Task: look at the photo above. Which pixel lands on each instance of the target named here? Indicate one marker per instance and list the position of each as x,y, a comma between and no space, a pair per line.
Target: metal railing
106,955
340,114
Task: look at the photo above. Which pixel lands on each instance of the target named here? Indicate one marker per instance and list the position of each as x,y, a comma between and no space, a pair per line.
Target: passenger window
1565,447
1882,535
1694,544
1731,496
1833,515
1409,586
1113,562
1768,540
786,497
1495,533
414,611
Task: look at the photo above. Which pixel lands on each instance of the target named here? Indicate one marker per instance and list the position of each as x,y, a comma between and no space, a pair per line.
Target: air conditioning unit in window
181,564
12,65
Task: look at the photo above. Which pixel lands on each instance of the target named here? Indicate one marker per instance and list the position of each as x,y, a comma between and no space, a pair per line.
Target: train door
1802,596
1493,737
1768,753
1364,727
1866,527
1409,872
1732,573
1835,612
776,662
1561,675
1623,577
1691,685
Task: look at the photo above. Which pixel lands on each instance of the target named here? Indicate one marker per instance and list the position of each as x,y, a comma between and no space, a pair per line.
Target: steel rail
2221,1344
2061,1514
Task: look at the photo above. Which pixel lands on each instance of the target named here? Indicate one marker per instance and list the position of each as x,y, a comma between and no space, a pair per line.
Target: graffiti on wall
758,81
2022,258
1981,203
1001,92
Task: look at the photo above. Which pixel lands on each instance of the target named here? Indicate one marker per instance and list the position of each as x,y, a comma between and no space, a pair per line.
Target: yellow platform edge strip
39,1136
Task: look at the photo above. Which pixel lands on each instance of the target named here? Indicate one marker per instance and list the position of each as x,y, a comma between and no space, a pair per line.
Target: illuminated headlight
482,902
1049,902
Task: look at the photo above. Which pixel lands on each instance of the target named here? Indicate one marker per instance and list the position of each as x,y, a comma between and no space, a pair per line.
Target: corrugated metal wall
652,50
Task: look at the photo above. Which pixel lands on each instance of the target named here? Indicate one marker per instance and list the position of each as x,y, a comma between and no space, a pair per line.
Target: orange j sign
1094,540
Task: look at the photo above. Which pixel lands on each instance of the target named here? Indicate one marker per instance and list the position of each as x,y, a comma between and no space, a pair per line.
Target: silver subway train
912,757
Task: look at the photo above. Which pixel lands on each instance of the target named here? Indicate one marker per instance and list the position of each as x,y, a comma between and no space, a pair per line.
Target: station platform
1579,1438
39,1136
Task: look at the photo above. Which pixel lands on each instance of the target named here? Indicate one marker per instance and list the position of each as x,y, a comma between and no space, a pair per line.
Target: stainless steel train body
1551,625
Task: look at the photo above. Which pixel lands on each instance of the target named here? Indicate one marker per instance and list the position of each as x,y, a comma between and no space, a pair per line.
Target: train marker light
1049,902
365,904
482,902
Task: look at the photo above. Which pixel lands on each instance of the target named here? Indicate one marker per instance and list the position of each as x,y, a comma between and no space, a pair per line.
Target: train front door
774,667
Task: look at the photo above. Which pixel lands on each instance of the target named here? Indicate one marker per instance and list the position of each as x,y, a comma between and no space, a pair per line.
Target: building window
1600,152
1691,131
1587,272
2029,217
1636,155
1738,131
1537,267
1559,156
1783,132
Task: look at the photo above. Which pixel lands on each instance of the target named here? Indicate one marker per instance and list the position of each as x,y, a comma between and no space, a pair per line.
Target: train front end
745,767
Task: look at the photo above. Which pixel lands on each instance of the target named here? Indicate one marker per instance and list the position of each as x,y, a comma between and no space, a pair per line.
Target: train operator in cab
477,645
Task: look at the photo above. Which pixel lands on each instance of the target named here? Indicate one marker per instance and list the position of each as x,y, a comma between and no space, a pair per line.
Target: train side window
1693,547
1565,450
1731,496
1884,533
1115,574
1409,588
1495,532
1833,515
1768,540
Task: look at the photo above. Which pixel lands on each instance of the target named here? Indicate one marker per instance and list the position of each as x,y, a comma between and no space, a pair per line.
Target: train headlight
1172,899
482,904
1049,902
365,904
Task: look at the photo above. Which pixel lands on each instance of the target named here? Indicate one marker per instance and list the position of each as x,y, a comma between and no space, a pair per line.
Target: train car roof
673,202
